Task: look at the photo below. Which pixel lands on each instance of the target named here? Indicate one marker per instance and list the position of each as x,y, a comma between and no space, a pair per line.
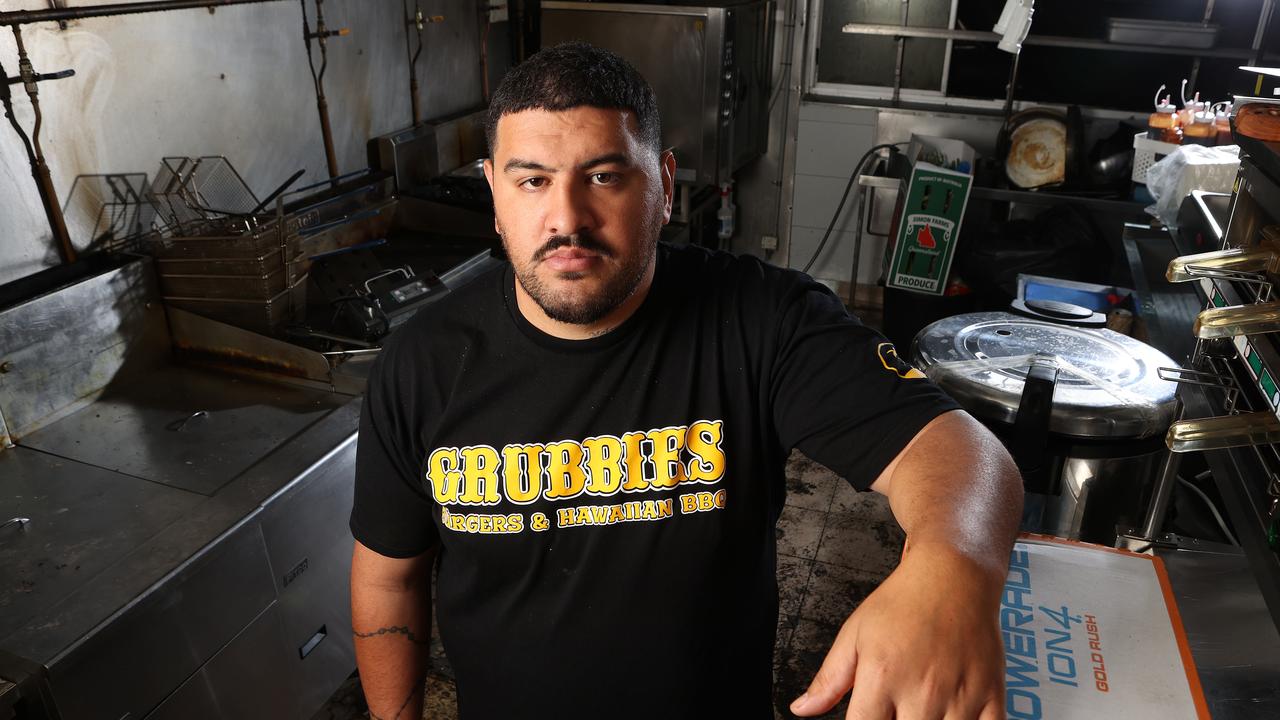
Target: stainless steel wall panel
310,554
232,82
186,428
59,350
137,659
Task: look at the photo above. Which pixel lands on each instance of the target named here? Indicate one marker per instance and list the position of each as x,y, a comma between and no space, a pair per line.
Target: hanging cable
857,168
1222,525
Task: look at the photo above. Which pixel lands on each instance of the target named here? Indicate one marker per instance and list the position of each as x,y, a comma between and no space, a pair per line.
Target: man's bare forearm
391,624
956,490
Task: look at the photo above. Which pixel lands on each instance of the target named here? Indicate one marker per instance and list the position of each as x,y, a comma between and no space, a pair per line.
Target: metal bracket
1263,288
21,522
1203,378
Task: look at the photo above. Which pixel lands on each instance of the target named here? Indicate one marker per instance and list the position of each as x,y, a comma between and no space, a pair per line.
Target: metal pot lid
1107,384
1037,153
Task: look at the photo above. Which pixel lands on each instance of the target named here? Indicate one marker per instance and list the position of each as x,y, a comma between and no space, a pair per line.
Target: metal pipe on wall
415,22
24,17
321,35
39,168
412,22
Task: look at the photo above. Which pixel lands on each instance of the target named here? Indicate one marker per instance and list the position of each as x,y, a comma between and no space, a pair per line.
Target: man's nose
570,212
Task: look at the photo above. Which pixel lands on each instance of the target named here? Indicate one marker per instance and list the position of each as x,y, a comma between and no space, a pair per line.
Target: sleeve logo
894,364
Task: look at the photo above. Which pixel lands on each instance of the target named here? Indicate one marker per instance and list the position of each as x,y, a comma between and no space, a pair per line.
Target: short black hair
575,74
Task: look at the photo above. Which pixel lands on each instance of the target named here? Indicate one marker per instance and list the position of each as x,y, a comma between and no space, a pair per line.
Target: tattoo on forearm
397,630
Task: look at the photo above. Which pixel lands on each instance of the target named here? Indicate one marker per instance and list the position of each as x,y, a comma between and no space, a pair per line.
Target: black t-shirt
606,508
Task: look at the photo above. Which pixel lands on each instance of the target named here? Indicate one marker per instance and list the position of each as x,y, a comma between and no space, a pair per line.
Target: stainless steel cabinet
139,657
311,566
709,66
243,681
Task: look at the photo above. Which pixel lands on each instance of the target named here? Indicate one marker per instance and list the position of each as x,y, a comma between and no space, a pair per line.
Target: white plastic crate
1146,153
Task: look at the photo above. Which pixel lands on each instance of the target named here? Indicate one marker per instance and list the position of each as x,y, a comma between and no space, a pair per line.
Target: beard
560,302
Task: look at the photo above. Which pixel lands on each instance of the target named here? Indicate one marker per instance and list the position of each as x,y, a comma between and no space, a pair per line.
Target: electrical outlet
768,242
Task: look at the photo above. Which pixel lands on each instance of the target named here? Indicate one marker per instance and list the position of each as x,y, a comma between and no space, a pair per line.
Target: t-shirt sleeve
840,392
391,513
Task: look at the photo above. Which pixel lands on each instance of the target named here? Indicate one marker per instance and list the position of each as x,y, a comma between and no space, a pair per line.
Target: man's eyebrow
519,164
616,158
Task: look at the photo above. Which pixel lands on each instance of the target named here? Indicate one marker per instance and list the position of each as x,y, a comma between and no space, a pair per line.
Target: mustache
582,240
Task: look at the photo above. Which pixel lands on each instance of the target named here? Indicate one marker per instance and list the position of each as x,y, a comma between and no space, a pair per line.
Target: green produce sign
928,229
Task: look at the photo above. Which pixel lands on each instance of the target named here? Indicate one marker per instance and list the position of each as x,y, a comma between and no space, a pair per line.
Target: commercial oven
708,64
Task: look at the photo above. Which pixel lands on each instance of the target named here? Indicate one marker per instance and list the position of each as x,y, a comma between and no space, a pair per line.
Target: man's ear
488,175
667,167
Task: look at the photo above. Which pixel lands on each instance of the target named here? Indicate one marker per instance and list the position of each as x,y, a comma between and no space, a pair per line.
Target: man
593,442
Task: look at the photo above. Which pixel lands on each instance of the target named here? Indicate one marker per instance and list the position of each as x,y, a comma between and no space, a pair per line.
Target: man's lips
571,259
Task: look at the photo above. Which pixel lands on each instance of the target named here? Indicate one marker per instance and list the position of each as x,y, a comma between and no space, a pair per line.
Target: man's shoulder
456,319
721,272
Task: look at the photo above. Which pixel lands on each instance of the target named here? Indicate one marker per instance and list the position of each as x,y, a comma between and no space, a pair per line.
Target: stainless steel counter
185,551
183,428
1235,645
127,588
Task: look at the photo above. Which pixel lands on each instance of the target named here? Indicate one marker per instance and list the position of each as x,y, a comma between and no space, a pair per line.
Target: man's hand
924,646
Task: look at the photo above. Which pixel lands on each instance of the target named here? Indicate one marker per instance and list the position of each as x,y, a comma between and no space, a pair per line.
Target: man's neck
572,331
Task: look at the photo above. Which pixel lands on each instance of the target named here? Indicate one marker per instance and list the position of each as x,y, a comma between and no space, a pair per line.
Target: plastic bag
1190,167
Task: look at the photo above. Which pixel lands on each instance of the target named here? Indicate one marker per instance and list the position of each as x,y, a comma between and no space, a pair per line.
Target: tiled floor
834,546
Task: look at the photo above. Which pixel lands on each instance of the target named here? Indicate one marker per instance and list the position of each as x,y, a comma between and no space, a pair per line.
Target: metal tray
1137,31
229,287
264,316
260,265
225,238
258,278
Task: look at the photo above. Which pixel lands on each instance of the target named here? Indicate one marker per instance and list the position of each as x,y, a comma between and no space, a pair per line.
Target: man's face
579,203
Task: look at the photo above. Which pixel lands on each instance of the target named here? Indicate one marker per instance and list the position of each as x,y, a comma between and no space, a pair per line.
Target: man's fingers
870,702
833,680
994,710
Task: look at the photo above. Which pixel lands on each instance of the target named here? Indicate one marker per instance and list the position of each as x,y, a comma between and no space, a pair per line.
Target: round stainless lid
1107,384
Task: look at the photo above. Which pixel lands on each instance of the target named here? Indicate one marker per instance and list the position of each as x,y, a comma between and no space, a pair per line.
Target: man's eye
534,182
604,178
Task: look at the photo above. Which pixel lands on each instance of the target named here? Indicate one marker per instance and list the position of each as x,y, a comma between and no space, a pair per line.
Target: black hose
6,98
857,168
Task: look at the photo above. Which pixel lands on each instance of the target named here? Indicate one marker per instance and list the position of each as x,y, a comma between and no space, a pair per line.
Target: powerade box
1092,632
927,222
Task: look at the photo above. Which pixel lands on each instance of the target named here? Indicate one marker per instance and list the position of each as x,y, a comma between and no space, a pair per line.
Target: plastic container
1162,125
1222,123
1201,131
726,214
1145,154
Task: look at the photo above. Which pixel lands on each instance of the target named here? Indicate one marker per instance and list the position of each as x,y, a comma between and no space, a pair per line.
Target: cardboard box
927,222
1092,632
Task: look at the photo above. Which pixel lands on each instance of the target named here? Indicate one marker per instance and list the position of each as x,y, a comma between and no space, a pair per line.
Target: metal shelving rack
902,31
1247,476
